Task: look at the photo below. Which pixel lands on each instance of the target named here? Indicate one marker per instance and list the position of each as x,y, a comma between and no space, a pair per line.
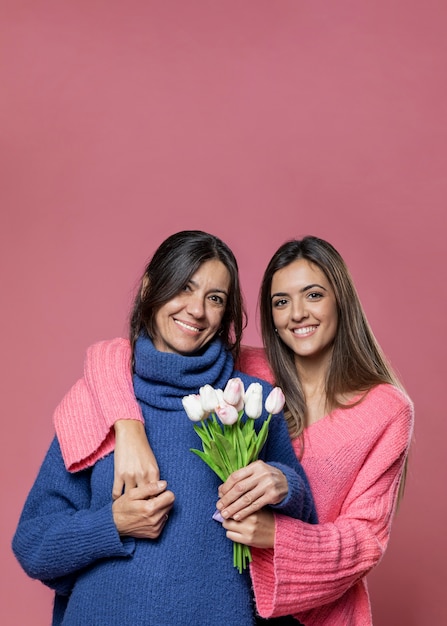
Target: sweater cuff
262,573
292,503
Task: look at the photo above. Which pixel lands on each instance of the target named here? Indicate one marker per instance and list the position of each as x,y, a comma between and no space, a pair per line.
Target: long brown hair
357,362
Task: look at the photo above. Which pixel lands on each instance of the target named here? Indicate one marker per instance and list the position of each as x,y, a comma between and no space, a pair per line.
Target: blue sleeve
278,452
59,532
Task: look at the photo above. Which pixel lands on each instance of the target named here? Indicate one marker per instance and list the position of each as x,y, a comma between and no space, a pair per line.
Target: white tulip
275,401
193,407
253,401
209,398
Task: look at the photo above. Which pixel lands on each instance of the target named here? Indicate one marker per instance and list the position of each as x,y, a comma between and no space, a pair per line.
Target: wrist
128,425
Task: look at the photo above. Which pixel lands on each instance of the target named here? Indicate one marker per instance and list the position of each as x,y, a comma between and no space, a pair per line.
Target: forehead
212,274
298,274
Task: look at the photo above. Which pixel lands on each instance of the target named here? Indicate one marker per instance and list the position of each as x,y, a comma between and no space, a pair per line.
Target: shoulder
253,361
386,395
107,350
388,406
109,346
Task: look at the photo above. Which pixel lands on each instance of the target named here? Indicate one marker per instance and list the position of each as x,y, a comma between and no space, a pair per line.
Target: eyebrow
213,290
303,290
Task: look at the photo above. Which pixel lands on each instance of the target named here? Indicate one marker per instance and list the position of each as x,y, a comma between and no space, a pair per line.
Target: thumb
149,490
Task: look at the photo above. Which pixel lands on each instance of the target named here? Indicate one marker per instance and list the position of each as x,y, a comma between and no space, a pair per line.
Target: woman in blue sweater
154,556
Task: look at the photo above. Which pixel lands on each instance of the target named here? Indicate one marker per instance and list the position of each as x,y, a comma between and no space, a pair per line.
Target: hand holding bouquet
229,441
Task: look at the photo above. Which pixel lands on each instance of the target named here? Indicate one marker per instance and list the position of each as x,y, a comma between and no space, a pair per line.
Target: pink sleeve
85,417
313,566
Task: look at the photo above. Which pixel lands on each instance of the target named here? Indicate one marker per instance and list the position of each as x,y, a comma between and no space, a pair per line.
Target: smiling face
304,310
187,322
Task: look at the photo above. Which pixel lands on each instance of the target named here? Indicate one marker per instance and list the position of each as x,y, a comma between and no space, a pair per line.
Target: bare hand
257,530
142,512
251,488
135,463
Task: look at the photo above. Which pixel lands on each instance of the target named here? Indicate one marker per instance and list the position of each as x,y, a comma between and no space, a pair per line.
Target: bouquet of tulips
230,442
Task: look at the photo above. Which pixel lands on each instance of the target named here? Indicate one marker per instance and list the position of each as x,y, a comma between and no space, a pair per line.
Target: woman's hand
257,530
251,488
135,463
142,512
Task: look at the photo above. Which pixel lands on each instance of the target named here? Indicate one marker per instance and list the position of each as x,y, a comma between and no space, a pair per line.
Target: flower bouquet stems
229,441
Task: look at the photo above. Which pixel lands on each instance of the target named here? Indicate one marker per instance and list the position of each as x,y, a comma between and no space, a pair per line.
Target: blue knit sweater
66,536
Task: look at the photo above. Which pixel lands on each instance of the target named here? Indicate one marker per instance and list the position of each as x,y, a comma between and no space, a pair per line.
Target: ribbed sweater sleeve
85,417
358,457
60,532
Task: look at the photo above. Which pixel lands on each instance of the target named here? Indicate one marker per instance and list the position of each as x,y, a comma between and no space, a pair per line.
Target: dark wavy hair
170,269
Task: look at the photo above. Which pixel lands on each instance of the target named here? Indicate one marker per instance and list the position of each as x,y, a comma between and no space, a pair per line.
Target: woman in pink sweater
350,421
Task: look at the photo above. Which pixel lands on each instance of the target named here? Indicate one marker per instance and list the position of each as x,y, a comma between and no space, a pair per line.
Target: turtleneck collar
161,379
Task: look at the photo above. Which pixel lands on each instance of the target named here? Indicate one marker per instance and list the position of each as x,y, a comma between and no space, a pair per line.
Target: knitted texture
353,458
66,536
84,418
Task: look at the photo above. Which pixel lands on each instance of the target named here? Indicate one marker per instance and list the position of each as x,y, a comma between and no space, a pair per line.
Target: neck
312,374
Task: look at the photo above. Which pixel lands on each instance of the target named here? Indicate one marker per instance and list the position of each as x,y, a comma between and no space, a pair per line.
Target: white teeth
304,331
187,326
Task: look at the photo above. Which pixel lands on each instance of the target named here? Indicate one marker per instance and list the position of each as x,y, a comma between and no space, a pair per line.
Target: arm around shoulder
85,417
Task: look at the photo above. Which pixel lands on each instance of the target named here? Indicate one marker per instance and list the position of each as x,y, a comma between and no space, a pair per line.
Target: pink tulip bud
193,407
227,414
209,398
275,401
234,393
253,401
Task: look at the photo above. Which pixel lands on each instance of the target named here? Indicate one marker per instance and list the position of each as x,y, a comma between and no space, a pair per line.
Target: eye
277,304
216,299
314,295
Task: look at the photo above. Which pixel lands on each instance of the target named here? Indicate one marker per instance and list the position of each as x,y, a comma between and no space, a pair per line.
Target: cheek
215,317
278,318
334,322
220,318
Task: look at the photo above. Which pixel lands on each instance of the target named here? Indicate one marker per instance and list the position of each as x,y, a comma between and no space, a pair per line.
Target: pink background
258,121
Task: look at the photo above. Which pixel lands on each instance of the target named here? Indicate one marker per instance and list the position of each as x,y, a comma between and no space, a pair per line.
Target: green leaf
261,439
204,436
241,447
210,462
227,451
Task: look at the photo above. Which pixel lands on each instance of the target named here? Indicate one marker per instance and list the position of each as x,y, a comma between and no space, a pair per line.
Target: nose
196,306
299,310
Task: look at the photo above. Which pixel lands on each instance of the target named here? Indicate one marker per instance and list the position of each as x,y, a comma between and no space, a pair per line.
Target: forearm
279,453
298,503
311,565
59,531
55,546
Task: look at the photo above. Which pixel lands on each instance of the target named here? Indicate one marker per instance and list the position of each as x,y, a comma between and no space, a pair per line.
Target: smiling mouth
187,326
304,331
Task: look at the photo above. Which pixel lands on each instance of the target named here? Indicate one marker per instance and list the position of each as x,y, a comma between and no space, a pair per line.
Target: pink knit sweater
353,458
